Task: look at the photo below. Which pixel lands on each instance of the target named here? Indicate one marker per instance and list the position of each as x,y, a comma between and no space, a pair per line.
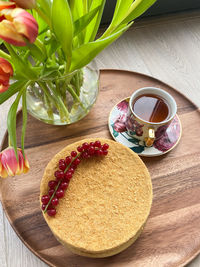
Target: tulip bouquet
51,38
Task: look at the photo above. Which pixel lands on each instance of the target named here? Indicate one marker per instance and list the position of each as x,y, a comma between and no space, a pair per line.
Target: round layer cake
106,203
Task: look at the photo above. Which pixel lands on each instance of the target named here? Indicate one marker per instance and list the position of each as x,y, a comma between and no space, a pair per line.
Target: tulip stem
43,16
9,141
5,55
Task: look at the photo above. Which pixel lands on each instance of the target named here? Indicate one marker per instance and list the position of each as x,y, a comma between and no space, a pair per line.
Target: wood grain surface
171,236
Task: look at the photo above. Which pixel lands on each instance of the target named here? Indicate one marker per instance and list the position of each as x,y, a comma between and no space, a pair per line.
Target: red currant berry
61,161
105,152
85,146
68,175
105,146
84,155
91,150
59,175
97,143
77,161
51,191
71,170
52,184
96,152
79,149
43,206
64,185
92,144
51,212
49,207
68,160
60,193
45,199
73,165
100,152
54,201
73,154
62,166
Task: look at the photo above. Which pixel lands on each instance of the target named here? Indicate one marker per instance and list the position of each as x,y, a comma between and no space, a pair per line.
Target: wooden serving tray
171,236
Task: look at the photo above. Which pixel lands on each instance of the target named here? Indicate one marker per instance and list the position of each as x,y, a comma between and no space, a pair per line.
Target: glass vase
64,100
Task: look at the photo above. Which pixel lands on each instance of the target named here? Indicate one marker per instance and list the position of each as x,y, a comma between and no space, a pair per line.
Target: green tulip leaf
21,67
51,72
83,21
77,8
85,53
24,112
45,6
121,10
37,51
11,121
137,8
13,89
62,25
52,47
93,27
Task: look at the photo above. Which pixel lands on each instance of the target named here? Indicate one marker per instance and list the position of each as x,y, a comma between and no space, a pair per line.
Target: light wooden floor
167,48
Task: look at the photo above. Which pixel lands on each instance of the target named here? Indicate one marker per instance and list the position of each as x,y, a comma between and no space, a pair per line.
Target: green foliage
138,8
83,21
11,122
24,112
63,25
45,6
85,53
66,42
93,27
13,89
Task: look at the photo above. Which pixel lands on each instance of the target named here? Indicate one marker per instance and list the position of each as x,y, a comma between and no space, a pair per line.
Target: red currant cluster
66,170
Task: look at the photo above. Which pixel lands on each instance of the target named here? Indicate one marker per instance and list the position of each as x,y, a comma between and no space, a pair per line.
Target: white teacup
144,130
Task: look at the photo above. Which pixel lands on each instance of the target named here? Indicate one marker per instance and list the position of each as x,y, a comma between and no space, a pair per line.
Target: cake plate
171,236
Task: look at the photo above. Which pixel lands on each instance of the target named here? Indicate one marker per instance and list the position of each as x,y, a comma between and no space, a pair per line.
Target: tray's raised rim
19,113
156,79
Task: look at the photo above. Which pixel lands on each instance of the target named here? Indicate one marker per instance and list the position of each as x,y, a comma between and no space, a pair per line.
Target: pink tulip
17,26
27,4
9,166
6,71
4,5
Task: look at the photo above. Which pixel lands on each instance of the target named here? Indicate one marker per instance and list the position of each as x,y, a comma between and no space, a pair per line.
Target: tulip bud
9,166
16,25
6,71
4,5
27,4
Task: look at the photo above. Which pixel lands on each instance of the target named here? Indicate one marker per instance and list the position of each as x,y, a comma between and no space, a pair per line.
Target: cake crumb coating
106,203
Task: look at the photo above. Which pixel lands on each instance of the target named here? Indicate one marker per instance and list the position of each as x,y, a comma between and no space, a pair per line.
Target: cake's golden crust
106,204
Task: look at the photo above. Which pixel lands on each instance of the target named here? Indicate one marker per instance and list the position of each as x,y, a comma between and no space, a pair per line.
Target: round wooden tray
171,236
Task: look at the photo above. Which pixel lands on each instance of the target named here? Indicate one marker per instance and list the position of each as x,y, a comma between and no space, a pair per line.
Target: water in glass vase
75,95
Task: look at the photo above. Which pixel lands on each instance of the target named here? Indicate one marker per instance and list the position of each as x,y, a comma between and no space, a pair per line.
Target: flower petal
5,67
3,88
27,4
25,24
4,5
8,33
9,164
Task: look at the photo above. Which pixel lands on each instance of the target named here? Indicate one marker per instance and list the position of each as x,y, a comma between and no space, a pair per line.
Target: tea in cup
150,112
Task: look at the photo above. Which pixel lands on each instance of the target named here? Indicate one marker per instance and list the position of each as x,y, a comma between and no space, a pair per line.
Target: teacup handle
150,139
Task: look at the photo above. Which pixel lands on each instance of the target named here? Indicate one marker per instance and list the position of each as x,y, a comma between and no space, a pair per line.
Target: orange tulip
17,26
6,71
27,4
4,5
9,166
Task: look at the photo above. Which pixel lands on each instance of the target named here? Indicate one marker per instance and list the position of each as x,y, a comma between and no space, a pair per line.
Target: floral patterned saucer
161,146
